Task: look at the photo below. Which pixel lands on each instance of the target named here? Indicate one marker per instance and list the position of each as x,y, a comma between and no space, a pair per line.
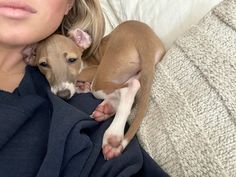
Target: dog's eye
71,60
43,64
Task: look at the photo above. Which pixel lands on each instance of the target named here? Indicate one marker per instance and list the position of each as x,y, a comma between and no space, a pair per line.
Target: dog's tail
146,80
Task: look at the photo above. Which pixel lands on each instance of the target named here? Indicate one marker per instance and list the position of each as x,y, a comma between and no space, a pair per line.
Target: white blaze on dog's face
59,59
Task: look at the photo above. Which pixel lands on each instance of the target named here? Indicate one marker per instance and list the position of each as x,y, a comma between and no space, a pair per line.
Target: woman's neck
11,60
12,68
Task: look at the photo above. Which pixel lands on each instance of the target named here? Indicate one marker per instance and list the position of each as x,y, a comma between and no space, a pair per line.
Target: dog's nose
64,94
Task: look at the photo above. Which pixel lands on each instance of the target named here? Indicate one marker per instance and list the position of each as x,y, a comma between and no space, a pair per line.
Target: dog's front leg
83,87
113,142
108,107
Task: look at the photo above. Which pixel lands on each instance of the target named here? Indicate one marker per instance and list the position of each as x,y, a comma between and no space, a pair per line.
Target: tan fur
130,51
55,52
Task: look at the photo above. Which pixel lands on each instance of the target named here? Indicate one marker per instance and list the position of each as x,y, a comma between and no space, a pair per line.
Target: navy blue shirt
43,136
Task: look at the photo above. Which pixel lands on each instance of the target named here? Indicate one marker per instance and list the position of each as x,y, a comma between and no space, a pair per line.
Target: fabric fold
9,125
42,135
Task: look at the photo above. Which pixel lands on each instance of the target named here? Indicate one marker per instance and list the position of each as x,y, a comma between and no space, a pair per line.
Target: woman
26,23
41,135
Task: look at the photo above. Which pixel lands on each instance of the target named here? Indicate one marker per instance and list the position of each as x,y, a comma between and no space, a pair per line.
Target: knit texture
190,127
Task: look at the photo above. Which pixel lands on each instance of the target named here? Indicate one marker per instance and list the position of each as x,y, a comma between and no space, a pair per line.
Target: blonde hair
86,15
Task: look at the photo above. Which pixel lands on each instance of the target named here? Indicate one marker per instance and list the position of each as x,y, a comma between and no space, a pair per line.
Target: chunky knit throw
190,128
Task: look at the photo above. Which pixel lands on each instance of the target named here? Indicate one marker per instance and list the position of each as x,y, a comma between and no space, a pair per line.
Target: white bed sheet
168,18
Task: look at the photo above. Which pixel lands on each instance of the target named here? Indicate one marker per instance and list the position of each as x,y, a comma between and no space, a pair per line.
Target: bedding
168,18
190,127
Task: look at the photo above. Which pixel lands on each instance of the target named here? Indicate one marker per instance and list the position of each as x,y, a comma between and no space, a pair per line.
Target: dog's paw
112,145
83,87
103,111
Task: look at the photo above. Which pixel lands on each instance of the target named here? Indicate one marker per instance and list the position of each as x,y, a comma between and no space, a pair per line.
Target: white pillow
168,18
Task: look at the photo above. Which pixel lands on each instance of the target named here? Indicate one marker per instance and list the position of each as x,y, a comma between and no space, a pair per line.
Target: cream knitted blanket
190,128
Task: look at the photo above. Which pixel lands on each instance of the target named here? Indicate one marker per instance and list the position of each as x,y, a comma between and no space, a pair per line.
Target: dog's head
59,59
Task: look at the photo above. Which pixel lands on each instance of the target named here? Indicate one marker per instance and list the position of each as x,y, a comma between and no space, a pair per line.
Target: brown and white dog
121,69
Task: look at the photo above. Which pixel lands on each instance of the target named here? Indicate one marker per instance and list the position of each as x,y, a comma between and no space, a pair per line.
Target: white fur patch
81,66
124,143
127,96
100,94
64,86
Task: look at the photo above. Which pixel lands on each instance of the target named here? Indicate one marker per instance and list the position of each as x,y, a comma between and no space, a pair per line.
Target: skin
16,34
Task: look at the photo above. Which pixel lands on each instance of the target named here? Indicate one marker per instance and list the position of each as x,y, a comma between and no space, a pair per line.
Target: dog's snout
65,90
64,94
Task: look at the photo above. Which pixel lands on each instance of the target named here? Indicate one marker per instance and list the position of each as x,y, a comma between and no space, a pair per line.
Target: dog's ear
81,38
29,54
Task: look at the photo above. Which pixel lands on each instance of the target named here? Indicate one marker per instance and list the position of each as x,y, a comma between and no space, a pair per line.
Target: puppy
59,59
121,70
